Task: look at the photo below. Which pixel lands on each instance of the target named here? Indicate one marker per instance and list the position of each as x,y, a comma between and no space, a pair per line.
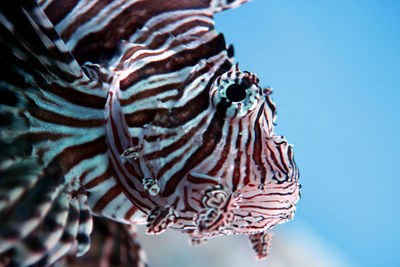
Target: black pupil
236,92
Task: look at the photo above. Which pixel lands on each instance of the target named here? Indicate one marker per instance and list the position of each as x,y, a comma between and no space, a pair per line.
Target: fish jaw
217,211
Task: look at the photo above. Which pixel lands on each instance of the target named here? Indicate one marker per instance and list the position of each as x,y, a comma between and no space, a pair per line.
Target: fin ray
38,205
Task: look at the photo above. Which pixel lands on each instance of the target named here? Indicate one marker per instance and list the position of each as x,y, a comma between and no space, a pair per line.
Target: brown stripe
257,150
125,130
224,154
127,22
159,40
237,162
274,159
57,10
130,212
181,115
271,107
72,155
171,163
142,117
45,99
111,194
279,147
155,52
115,130
83,18
54,51
188,208
143,195
129,168
268,194
85,173
185,58
158,137
55,118
150,92
211,138
128,54
38,137
263,207
293,164
156,27
107,174
76,97
197,180
246,179
177,144
176,116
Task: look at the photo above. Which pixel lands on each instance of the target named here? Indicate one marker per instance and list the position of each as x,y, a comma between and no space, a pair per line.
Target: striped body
148,119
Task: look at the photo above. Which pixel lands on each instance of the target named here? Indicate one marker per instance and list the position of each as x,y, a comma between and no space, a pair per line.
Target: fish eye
237,91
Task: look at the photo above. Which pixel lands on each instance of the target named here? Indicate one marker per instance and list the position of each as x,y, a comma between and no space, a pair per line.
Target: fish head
250,180
206,161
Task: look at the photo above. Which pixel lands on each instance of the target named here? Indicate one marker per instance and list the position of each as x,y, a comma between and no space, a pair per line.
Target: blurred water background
335,70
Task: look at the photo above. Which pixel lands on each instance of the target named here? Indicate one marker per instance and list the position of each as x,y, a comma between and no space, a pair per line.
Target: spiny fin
39,207
50,218
219,5
114,244
32,38
260,243
79,22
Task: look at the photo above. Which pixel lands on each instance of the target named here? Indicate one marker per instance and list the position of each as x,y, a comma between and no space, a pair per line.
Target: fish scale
133,111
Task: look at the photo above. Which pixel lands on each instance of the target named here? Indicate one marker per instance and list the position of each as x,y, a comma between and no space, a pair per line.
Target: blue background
335,70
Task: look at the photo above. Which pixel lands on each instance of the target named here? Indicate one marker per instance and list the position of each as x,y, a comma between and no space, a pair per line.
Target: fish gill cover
116,113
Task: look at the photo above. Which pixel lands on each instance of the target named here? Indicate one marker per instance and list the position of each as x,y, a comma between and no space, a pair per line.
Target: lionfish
135,112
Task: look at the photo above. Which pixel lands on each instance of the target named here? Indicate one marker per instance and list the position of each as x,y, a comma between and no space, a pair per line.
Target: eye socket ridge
237,89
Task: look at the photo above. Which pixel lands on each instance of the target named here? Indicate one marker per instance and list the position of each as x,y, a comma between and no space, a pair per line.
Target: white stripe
7,23
38,125
65,108
98,164
166,16
99,22
151,102
59,145
155,81
228,164
138,218
99,191
191,91
198,85
255,176
242,147
150,147
177,24
124,176
187,151
117,208
167,52
209,163
82,7
44,3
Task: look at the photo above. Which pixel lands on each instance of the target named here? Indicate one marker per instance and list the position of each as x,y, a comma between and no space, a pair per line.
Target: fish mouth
262,208
250,210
